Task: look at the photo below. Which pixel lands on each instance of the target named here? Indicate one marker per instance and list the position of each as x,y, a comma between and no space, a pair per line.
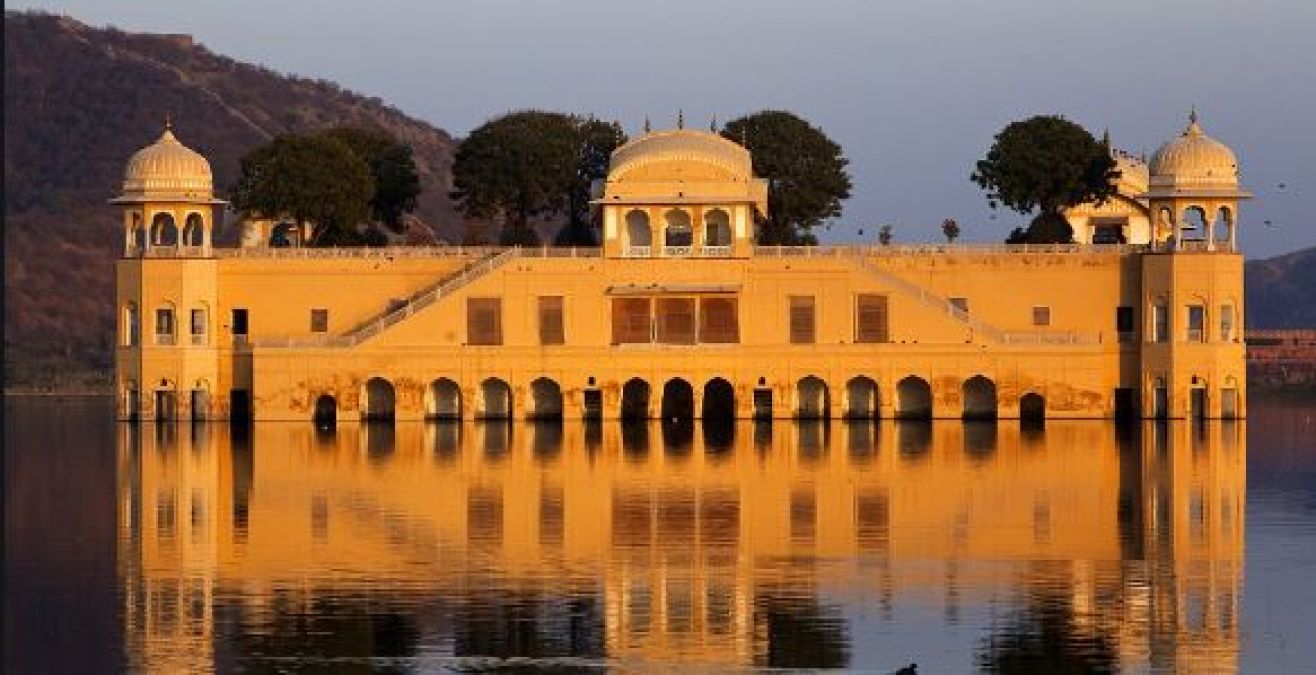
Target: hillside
79,101
1281,291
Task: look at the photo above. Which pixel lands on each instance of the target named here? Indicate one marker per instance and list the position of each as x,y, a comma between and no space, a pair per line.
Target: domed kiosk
1193,191
165,184
680,193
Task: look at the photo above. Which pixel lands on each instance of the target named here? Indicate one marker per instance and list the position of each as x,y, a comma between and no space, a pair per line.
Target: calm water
958,547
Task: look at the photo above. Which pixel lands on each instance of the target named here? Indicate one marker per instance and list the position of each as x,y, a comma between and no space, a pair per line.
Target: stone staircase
981,329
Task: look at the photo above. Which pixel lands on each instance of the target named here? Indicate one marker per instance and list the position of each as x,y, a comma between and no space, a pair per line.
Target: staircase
980,329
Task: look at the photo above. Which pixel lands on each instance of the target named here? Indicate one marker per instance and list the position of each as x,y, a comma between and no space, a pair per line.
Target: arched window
812,400
165,330
638,232
678,231
678,400
444,400
546,396
979,398
635,400
914,398
164,232
1193,226
194,232
496,396
379,400
717,228
132,325
1164,224
1223,227
861,398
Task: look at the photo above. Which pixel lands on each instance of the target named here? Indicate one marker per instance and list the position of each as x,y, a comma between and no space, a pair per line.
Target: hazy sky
913,90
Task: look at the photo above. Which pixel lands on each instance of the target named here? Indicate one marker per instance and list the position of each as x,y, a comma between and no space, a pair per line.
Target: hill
78,102
1281,291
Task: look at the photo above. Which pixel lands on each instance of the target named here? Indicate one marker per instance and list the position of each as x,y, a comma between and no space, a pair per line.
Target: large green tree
805,170
596,139
1045,164
391,166
310,179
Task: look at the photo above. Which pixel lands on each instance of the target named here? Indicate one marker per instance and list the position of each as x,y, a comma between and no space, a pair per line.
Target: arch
166,401
200,400
635,399
979,398
719,400
164,231
546,397
443,400
812,398
379,400
1032,408
638,231
136,234
677,230
1194,222
914,398
678,400
1222,228
496,397
284,235
717,228
194,230
326,411
1164,224
861,398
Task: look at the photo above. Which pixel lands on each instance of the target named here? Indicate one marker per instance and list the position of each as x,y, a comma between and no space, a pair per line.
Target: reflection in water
1082,547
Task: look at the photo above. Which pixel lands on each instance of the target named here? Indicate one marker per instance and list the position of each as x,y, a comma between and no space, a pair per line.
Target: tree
1048,164
309,179
596,140
805,170
391,166
518,166
951,229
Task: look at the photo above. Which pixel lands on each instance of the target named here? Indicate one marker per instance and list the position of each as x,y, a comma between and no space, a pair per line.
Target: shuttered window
718,322
802,319
676,321
871,323
630,321
319,321
1041,316
550,321
484,321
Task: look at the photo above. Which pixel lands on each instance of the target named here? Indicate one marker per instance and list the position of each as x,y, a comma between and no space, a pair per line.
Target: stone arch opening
443,400
678,400
326,411
979,398
635,399
164,231
678,230
136,235
496,397
717,228
1164,224
638,231
1032,408
166,401
194,230
1222,229
379,401
719,400
546,399
1193,225
200,400
131,401
914,398
284,235
861,398
812,398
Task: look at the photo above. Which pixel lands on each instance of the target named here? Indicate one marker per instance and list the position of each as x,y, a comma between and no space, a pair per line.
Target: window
1226,323
1124,323
319,321
132,327
484,321
871,319
198,326
1041,316
961,304
164,326
631,321
1160,323
802,319
1196,323
676,321
718,322
550,321
240,322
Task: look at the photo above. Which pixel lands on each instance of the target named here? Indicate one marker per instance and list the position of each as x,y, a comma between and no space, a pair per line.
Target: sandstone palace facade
680,314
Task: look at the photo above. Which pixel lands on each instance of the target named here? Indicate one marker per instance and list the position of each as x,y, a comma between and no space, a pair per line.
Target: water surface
1080,547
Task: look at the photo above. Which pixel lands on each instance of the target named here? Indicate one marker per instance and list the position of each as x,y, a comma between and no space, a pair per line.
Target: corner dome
1194,160
168,169
681,145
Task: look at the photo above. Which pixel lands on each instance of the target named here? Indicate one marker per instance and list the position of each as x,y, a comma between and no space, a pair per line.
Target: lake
1078,547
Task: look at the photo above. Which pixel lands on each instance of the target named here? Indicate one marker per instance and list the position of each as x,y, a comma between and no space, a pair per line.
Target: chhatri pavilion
679,313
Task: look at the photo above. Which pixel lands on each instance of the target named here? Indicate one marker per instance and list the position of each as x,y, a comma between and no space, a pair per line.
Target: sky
913,90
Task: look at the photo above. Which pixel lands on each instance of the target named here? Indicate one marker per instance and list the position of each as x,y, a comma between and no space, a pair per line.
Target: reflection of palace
706,545
679,314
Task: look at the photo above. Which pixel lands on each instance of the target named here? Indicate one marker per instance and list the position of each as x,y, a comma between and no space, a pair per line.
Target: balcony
715,252
200,340
639,251
164,339
677,251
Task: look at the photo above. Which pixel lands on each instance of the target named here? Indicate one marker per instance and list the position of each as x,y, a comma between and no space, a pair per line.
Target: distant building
679,313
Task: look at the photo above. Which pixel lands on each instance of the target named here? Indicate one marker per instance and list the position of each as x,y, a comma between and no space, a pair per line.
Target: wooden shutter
676,321
551,330
802,319
484,321
630,321
718,323
871,322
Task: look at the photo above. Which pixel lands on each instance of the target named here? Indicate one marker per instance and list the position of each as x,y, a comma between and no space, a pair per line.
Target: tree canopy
1045,164
533,164
805,170
391,165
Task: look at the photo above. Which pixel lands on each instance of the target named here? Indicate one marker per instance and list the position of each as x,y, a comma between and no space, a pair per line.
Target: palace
680,315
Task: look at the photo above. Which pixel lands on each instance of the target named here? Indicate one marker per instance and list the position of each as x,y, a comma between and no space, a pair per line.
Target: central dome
1194,160
168,168
682,145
